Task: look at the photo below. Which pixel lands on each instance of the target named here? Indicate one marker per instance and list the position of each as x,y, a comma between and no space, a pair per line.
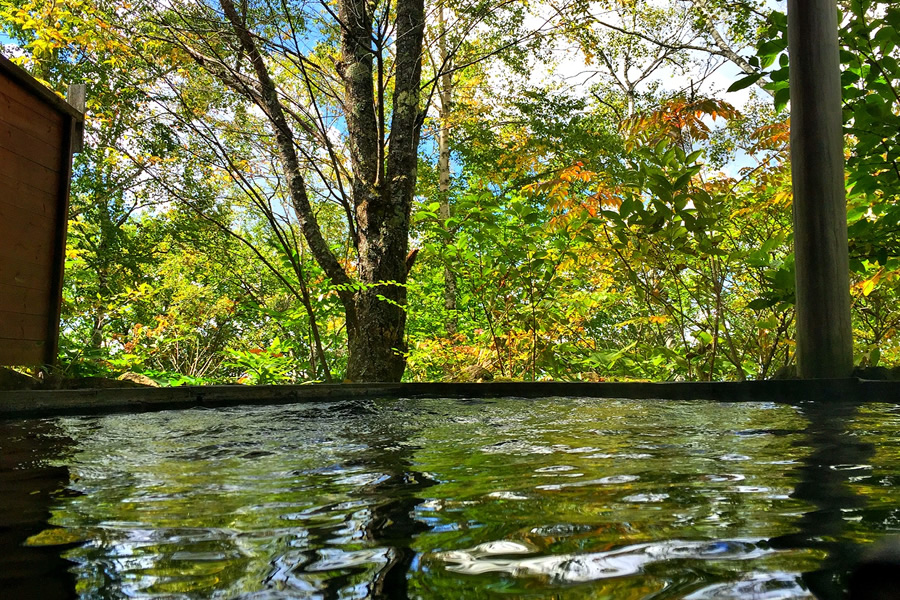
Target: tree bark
446,96
383,206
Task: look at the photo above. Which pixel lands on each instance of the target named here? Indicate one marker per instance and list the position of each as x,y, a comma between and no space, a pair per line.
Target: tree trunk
377,343
444,168
384,174
383,202
709,23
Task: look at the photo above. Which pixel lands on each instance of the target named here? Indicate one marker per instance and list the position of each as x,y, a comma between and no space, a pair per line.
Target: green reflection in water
558,498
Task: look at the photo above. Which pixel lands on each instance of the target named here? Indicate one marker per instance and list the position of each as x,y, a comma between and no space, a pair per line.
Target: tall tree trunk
382,189
446,95
384,174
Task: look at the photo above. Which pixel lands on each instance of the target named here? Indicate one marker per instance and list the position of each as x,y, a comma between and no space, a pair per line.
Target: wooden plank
13,218
24,300
61,231
824,335
26,236
25,274
24,96
18,167
31,263
21,352
22,109
18,326
20,142
21,196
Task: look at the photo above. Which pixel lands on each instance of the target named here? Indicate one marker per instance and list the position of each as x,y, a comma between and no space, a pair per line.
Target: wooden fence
38,130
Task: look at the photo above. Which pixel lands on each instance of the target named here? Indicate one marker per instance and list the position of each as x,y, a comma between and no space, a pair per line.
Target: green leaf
745,82
693,157
769,323
781,75
682,181
892,17
874,357
761,303
782,97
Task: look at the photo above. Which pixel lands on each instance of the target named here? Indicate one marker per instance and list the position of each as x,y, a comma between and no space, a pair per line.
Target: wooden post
76,96
824,338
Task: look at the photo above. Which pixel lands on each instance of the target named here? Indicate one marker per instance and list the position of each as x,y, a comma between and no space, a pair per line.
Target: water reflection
387,525
392,523
276,502
838,455
558,498
29,486
686,515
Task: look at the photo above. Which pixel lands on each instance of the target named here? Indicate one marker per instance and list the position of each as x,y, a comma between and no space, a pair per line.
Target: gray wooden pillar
824,338
77,98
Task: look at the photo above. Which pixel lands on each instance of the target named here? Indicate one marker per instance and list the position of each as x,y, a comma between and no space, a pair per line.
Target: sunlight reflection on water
581,568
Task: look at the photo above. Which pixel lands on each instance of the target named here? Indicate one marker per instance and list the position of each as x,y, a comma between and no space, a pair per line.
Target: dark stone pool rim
49,403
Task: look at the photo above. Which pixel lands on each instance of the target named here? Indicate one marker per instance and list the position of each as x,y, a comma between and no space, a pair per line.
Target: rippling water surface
556,498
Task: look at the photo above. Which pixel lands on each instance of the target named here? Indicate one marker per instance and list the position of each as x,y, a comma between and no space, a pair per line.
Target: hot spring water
554,498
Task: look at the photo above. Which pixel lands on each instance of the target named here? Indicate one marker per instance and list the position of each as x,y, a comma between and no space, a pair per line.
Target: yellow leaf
868,286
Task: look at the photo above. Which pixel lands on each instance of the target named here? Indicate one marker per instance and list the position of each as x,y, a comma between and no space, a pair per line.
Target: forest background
603,187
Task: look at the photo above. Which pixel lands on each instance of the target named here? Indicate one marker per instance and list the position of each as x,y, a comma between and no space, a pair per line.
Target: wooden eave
17,73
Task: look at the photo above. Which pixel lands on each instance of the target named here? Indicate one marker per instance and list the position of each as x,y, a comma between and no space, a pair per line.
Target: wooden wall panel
23,274
38,176
19,326
18,141
22,352
17,194
23,300
26,237
21,108
36,132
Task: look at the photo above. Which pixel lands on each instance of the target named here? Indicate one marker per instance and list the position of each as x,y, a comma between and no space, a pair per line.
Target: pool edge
49,403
